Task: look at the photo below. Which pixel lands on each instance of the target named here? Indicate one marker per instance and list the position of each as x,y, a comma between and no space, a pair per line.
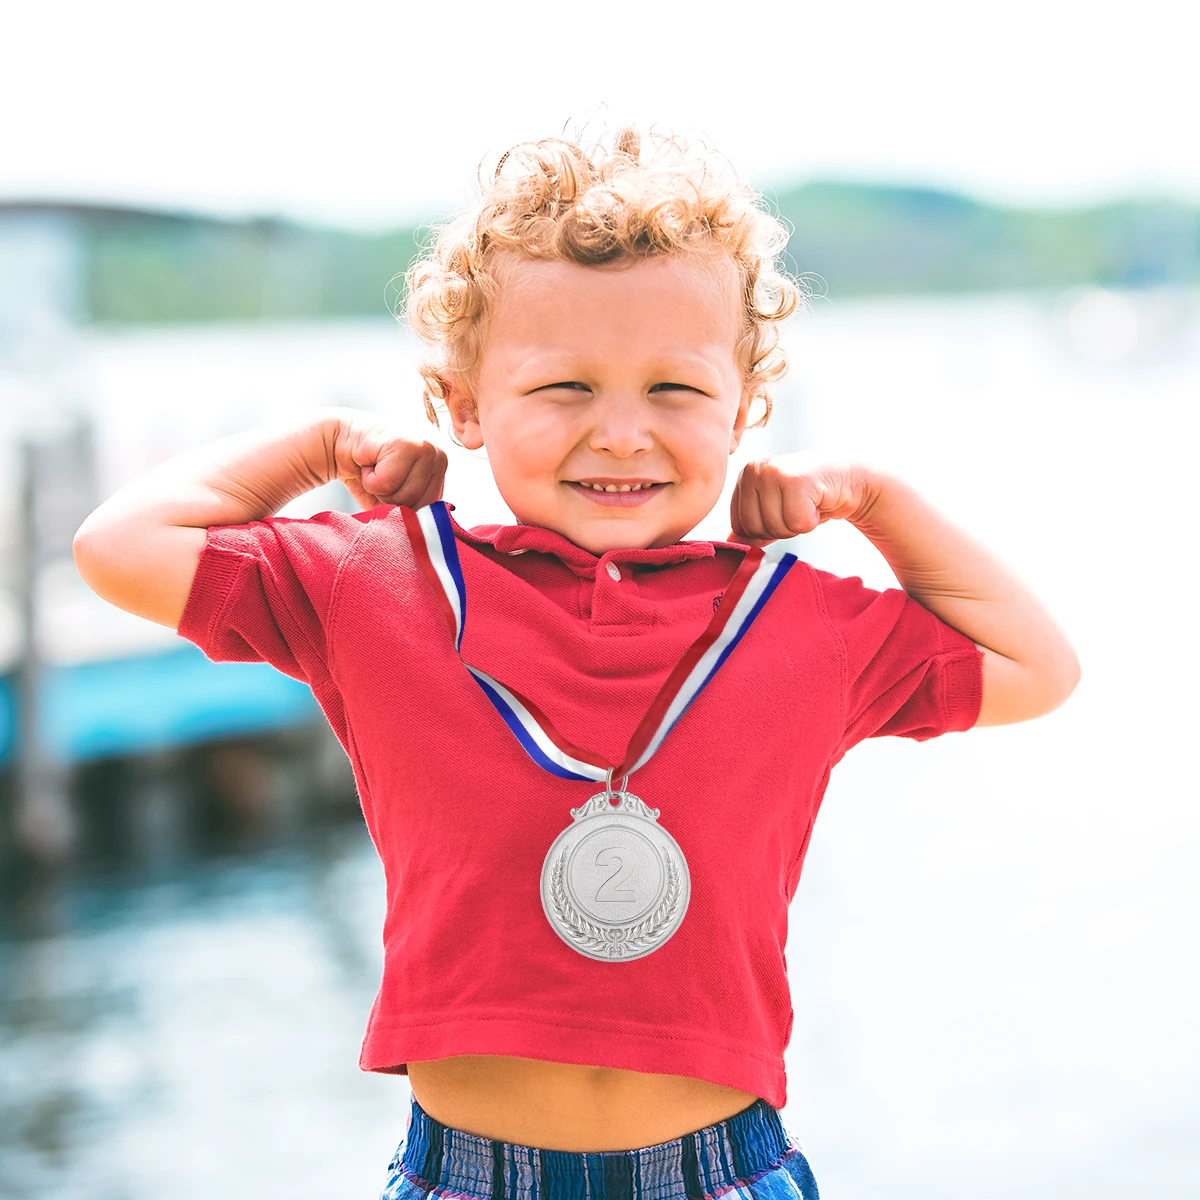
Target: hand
380,467
790,494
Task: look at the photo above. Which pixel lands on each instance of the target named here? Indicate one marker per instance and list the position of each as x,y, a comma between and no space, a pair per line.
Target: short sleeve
263,591
908,673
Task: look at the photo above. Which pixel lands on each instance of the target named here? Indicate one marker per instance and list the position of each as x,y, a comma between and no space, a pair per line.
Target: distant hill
154,267
865,238
142,266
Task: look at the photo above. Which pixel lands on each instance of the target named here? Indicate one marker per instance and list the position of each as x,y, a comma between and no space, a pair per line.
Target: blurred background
203,212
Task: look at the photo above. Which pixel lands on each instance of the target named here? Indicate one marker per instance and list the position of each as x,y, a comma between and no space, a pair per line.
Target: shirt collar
516,539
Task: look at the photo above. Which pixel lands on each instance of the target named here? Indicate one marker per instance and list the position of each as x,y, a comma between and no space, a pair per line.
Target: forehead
693,296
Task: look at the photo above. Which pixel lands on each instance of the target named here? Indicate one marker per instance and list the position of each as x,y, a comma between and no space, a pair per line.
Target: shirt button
613,570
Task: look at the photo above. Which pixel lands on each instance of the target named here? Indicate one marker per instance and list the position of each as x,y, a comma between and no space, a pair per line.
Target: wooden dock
90,692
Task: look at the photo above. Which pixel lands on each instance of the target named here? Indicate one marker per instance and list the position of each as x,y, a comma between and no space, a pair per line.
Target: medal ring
608,789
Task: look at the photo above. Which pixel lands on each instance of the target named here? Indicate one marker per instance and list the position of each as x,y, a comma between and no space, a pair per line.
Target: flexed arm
139,549
1029,666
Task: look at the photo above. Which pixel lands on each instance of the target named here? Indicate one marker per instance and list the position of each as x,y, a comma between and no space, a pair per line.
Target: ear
739,424
463,412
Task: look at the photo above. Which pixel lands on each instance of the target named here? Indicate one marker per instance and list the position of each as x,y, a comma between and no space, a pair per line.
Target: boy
600,321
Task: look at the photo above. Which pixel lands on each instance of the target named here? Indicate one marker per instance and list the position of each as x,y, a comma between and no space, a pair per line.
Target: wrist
333,426
876,487
264,468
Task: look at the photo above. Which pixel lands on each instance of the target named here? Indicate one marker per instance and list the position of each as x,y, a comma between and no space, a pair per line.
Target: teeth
612,487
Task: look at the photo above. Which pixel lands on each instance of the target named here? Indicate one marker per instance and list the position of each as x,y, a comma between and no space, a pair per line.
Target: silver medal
615,884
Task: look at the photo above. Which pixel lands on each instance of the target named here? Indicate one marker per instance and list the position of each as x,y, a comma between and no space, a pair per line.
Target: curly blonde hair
560,200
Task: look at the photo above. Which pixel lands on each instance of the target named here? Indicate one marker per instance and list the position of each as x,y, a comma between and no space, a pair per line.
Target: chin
600,536
632,541
598,544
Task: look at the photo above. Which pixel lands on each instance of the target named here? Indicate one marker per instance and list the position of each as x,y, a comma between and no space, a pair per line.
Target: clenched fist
380,467
790,494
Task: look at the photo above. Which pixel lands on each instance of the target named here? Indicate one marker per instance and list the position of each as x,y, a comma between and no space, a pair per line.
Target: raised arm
1029,666
139,549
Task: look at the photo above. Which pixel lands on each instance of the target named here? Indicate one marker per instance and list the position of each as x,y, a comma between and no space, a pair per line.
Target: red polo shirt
462,818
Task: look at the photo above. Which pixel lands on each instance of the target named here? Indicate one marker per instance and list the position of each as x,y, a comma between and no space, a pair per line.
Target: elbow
83,544
1016,691
90,562
1060,682
87,536
81,550
1076,673
97,556
1072,672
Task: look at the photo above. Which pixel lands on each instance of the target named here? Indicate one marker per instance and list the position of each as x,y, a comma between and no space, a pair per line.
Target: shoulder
846,597
317,550
809,585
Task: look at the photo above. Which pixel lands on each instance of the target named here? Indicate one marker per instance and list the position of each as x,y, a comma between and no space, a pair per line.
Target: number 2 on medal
613,884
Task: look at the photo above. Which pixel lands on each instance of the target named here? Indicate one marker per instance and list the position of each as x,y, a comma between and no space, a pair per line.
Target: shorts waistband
705,1163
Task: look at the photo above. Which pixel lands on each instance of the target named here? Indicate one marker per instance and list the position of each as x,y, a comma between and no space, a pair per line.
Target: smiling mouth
615,487
618,495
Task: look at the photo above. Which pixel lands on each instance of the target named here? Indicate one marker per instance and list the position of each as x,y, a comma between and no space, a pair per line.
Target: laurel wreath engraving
615,943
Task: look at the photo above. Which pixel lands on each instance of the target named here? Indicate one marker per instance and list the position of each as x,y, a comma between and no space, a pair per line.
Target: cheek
524,441
709,446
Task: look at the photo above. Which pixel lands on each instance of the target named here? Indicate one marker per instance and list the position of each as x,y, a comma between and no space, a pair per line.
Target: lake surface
992,949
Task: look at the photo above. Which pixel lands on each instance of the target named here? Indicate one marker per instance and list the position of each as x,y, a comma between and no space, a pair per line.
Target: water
998,998
991,949
194,1034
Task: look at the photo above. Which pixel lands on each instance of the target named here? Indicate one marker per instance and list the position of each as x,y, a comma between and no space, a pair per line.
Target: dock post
56,488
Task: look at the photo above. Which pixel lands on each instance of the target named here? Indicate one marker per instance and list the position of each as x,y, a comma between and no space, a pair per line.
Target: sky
368,115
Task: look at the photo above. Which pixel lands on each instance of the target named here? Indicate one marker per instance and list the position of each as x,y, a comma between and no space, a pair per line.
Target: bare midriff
564,1106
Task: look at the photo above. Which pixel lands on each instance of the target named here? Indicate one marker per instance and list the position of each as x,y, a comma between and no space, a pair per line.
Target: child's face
623,374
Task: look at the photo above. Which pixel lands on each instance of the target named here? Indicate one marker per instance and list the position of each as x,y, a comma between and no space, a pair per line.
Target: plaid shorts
749,1156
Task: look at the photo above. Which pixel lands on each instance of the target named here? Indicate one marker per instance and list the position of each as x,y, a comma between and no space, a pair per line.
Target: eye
676,386
565,384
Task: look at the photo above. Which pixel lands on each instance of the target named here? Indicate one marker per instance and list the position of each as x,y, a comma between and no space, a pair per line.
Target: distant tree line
890,239
146,267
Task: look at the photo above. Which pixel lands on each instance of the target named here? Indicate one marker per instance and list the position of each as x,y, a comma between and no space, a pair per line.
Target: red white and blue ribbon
758,575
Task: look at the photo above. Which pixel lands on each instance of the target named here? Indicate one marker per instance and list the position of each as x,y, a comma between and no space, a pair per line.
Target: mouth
618,495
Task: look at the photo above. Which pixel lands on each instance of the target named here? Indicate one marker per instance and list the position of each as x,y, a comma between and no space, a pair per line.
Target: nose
622,425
